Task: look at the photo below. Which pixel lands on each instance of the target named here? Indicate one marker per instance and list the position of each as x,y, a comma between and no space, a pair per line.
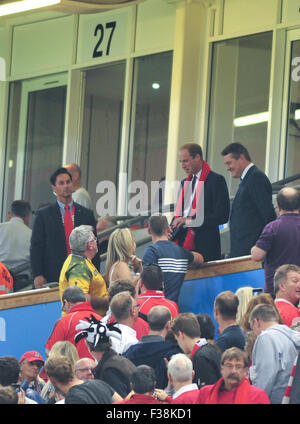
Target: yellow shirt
80,271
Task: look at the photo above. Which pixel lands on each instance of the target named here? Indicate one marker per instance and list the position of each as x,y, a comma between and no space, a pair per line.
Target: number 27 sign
104,35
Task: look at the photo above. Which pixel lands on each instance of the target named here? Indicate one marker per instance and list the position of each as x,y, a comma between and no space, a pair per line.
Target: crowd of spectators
122,338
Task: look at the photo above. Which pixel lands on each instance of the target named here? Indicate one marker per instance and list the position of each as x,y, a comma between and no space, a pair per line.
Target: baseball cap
31,356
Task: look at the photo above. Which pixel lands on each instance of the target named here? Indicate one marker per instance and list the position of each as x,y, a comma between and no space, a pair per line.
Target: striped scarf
287,393
189,242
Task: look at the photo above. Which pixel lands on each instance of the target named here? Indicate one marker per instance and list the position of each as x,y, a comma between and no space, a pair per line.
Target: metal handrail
286,180
130,220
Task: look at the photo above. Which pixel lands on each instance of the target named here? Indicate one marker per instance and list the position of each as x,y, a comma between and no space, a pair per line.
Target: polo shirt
281,240
80,271
186,395
287,311
137,398
151,298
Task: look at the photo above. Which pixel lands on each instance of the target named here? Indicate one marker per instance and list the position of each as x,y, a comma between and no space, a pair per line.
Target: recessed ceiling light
156,85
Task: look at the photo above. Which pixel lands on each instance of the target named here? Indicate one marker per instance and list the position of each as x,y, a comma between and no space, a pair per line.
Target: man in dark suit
49,247
205,237
252,207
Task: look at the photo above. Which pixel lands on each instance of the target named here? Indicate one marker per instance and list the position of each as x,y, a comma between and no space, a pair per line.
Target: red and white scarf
241,396
189,242
287,393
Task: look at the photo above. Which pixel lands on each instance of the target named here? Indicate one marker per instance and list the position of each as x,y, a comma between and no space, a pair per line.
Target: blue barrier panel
198,296
27,328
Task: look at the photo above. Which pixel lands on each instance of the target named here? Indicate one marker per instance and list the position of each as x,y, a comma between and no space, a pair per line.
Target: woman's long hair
121,246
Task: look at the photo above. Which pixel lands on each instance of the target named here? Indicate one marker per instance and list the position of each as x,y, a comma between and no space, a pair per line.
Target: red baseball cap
31,356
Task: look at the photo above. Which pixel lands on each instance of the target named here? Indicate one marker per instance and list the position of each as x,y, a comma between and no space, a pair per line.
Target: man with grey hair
181,374
125,310
153,348
76,308
279,242
78,269
287,291
274,352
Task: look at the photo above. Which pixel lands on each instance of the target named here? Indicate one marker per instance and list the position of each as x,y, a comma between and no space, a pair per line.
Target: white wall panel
241,15
155,25
290,11
42,46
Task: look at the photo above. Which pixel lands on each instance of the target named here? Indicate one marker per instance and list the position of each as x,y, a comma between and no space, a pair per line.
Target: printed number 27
100,28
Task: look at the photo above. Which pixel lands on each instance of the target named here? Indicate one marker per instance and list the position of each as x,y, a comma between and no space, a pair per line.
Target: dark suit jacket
216,212
251,210
48,249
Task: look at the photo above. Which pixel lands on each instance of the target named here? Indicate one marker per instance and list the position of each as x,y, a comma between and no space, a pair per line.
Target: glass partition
150,118
35,138
292,157
102,123
239,99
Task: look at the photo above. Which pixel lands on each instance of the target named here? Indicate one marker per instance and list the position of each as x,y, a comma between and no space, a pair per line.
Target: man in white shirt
15,236
125,310
80,194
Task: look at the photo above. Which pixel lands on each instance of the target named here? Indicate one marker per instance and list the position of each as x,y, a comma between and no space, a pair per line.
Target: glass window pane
239,99
293,129
102,123
44,142
151,118
44,117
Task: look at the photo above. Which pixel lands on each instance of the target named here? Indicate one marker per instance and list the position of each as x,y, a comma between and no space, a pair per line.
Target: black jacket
116,371
206,364
252,209
152,353
216,212
48,249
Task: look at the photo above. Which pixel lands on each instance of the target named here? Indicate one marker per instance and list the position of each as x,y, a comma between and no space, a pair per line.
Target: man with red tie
51,229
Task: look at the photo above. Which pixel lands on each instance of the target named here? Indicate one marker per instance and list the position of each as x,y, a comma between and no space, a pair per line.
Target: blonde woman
62,348
121,262
244,294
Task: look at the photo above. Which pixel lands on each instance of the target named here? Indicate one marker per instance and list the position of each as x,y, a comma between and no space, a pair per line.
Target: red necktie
68,227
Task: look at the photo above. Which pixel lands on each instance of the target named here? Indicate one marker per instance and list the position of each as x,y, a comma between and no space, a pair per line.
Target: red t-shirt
65,328
288,312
